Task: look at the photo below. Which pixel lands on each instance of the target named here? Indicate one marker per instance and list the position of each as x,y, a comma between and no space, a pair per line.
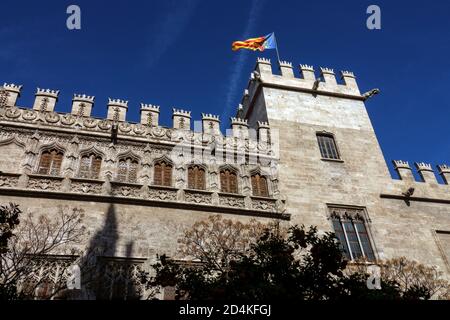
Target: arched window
90,165
196,178
259,185
50,162
228,181
163,174
127,171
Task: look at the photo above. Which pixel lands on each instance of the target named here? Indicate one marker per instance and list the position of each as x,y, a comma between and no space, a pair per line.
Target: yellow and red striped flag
260,43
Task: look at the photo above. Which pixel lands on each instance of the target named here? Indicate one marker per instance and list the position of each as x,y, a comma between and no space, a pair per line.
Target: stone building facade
300,150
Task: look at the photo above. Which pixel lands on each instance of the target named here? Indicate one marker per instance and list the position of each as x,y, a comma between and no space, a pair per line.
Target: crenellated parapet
425,171
444,172
45,100
211,123
9,94
82,105
207,131
117,110
150,114
325,83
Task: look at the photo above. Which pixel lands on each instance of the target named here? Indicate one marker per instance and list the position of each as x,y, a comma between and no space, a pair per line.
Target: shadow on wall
105,276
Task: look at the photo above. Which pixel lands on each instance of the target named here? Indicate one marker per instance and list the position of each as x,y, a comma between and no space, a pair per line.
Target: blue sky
176,53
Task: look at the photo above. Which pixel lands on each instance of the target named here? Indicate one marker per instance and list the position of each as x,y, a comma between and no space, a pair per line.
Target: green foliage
299,265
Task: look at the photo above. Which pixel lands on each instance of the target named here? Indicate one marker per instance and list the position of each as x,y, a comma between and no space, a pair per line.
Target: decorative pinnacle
47,92
118,102
263,125
347,74
286,64
326,70
180,112
305,67
83,97
401,164
443,168
149,107
263,60
239,121
422,166
12,87
208,116
246,93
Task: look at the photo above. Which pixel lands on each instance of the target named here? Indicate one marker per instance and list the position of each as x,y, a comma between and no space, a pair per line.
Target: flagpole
276,48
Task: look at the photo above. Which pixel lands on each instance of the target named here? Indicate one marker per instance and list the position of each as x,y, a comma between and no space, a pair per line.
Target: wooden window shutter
167,175
157,174
132,172
255,185
263,190
233,183
85,164
56,163
223,182
45,163
191,178
201,179
96,166
122,170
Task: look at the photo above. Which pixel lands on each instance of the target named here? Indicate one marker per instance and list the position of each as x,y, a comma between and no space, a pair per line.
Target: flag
260,43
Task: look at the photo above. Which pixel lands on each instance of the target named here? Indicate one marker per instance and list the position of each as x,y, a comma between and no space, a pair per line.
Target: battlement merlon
45,100
117,109
404,170
327,84
82,105
181,119
426,172
11,93
150,114
444,172
211,123
239,127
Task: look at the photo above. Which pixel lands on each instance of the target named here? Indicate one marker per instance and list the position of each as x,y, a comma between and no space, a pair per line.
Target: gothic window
327,146
119,279
259,185
50,162
127,170
90,165
228,181
163,174
351,232
196,178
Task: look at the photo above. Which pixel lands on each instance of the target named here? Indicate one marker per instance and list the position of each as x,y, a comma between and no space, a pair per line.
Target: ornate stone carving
264,205
44,184
162,194
104,124
90,123
139,129
125,127
52,117
351,213
126,191
13,113
197,197
68,119
29,115
232,201
86,187
8,181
